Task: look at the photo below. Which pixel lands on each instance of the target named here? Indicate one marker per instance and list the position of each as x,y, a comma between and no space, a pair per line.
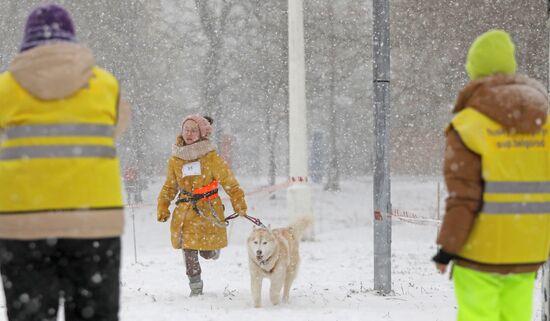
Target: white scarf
193,151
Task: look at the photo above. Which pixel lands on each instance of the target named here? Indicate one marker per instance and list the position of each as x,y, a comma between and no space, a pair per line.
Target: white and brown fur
274,254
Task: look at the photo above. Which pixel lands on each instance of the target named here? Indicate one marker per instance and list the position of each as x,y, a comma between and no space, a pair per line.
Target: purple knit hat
46,24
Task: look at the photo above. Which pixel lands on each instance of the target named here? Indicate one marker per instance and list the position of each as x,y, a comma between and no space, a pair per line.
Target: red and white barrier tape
408,217
298,179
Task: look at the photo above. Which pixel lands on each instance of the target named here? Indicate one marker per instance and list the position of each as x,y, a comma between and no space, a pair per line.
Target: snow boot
195,283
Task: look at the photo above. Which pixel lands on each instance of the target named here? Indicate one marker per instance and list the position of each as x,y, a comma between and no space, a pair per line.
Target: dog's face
261,244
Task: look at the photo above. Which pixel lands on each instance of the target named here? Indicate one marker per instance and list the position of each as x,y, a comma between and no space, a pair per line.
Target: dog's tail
300,225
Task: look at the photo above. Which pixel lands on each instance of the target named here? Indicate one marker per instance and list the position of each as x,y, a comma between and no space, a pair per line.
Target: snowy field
336,276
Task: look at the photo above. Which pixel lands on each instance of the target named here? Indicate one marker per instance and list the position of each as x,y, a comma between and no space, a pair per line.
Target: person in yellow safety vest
496,227
61,207
195,170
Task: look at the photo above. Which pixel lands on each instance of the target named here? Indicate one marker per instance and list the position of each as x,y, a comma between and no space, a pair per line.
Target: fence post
134,232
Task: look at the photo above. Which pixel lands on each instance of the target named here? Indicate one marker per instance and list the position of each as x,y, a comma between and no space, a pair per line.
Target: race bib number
191,169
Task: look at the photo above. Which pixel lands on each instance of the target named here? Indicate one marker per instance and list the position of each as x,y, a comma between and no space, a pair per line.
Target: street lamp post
381,179
299,193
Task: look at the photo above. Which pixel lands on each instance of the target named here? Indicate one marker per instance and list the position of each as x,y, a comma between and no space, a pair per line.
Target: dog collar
264,262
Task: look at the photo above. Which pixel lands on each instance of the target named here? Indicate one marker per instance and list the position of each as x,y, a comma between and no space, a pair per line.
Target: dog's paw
257,305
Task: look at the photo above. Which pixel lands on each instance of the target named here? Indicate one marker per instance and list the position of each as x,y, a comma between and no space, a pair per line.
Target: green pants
483,296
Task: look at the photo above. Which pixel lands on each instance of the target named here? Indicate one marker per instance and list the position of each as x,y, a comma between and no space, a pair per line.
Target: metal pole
299,193
545,315
134,232
381,182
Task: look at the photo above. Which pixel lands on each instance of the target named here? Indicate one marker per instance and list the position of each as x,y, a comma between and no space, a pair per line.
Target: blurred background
228,59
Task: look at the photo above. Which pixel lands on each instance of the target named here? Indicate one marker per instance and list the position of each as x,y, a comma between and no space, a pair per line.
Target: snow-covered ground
336,276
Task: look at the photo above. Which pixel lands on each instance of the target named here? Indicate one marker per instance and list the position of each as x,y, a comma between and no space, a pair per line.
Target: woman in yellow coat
195,170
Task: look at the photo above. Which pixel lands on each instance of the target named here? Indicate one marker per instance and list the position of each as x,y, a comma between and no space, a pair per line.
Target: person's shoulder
216,159
6,81
5,75
101,72
212,155
105,79
174,159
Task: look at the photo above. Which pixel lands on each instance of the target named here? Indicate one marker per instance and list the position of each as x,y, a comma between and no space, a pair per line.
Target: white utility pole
381,180
299,193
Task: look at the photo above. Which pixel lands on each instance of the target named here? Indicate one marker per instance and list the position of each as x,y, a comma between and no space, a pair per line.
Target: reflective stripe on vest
517,187
59,130
57,151
513,225
516,208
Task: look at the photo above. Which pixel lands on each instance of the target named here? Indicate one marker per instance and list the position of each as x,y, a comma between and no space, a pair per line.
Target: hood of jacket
518,103
53,71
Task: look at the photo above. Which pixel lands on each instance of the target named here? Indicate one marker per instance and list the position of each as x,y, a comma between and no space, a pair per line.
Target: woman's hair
181,142
210,120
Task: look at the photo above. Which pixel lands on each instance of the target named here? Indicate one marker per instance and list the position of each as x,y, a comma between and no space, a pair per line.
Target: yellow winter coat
188,229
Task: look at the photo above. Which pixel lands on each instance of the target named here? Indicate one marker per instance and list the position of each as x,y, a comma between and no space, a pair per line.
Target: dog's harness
259,223
264,262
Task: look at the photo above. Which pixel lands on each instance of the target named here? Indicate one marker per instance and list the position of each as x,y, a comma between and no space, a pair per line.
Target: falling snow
228,59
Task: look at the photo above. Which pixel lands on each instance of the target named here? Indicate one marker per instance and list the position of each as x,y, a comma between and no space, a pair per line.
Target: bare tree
272,72
338,65
428,58
333,170
214,16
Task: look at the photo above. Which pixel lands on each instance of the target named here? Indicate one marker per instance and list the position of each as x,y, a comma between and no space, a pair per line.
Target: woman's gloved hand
163,215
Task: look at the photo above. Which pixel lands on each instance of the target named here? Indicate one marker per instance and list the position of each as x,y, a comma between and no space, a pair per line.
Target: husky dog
274,254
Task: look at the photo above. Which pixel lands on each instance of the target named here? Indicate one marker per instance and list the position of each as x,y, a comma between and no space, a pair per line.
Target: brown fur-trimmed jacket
519,104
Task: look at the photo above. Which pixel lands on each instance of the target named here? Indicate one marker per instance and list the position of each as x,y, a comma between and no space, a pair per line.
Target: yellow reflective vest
513,226
59,154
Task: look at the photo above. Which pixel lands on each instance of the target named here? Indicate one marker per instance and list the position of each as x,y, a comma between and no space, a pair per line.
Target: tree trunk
333,179
213,27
